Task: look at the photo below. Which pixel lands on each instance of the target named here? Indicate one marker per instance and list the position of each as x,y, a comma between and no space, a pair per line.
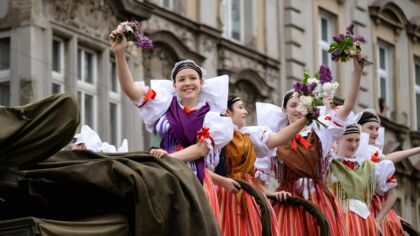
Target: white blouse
220,128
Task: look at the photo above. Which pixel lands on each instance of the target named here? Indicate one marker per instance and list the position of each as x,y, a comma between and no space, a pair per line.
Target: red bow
392,179
350,164
186,110
203,134
301,140
151,94
374,157
327,118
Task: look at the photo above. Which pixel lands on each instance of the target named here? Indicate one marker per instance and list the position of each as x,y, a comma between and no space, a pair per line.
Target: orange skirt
242,217
211,194
294,220
390,224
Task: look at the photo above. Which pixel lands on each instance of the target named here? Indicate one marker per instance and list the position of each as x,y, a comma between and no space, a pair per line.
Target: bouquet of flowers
347,46
131,30
311,91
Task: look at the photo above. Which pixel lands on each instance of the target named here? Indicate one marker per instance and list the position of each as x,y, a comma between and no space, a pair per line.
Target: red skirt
294,220
211,194
242,217
390,224
356,225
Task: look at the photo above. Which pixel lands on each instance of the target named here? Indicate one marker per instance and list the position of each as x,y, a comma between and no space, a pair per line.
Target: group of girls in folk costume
196,119
304,164
384,199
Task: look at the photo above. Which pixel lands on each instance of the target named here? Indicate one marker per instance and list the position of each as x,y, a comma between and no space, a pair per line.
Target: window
385,73
86,86
57,65
417,89
114,106
327,23
168,4
4,69
233,14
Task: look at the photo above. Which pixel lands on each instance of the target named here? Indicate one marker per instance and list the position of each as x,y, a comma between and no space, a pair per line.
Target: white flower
128,28
302,109
296,95
328,89
306,100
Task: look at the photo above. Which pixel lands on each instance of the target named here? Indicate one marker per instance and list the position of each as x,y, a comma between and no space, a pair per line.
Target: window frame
58,77
227,27
5,74
115,98
325,45
87,88
416,89
386,73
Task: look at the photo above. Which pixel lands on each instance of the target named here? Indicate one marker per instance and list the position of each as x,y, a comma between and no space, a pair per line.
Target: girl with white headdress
305,161
185,112
355,182
370,123
239,212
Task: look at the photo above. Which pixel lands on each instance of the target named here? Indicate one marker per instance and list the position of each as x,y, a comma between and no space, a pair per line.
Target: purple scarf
183,130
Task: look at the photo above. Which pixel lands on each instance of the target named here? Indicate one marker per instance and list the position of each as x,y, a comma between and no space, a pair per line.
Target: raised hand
117,47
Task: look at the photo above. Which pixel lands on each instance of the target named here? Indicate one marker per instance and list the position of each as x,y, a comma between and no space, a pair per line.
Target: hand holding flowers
347,46
129,31
311,92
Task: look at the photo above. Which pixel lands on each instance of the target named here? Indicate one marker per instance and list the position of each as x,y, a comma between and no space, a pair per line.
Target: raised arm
351,96
124,74
286,134
396,157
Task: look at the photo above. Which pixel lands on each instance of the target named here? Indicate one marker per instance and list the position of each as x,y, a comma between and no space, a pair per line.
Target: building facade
50,46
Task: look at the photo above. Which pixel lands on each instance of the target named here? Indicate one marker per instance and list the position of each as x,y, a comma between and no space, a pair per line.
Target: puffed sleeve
264,167
328,133
153,105
384,171
259,136
217,131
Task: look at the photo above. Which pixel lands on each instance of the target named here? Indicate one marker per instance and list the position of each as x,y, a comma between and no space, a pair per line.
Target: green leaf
306,76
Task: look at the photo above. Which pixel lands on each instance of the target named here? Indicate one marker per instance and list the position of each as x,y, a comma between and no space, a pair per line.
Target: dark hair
286,98
231,100
186,65
367,117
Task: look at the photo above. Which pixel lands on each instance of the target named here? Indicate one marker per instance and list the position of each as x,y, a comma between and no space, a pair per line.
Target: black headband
187,65
367,117
232,99
352,129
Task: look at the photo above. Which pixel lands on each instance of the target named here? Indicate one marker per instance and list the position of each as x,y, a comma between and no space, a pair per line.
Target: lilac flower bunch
131,30
346,46
309,93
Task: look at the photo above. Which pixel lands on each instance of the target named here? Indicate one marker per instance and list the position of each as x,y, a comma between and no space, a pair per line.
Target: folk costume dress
302,171
179,127
239,212
354,185
390,223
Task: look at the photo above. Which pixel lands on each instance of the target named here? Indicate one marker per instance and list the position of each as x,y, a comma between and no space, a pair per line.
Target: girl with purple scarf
185,112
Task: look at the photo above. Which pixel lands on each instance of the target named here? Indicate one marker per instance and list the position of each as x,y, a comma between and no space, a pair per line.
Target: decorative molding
388,13
171,41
